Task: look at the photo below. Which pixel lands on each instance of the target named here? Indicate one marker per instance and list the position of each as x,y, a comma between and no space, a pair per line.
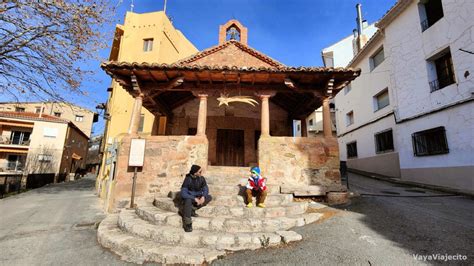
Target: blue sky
291,31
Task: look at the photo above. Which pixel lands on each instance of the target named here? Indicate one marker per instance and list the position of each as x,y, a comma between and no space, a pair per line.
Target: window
351,149
19,109
347,89
45,157
15,162
298,128
442,71
384,141
142,122
430,12
20,138
79,118
37,110
376,59
381,100
430,142
311,122
147,45
350,118
57,114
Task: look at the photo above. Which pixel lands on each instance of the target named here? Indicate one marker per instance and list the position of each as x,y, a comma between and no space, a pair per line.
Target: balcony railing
438,84
8,141
15,166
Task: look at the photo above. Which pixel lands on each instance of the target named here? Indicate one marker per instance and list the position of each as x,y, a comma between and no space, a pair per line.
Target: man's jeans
189,205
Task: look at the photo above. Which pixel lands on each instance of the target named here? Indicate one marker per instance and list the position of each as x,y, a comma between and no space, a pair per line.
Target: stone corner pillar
265,113
136,113
202,115
327,130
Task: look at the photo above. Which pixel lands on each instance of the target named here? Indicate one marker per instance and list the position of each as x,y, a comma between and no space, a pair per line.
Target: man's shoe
194,214
188,228
250,205
261,205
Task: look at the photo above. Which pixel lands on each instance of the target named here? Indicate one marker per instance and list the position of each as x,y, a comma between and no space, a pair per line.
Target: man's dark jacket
194,186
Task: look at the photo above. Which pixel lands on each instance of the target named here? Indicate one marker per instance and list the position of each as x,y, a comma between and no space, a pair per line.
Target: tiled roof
32,116
36,117
245,48
392,13
175,66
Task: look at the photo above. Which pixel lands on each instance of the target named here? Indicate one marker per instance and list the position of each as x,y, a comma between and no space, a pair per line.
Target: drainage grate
390,192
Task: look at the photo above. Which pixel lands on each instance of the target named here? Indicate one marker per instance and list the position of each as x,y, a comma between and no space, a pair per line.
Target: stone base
337,198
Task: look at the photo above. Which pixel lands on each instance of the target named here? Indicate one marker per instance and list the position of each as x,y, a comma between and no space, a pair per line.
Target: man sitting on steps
195,195
256,187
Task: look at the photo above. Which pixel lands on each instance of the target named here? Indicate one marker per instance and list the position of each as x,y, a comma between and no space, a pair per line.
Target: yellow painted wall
169,45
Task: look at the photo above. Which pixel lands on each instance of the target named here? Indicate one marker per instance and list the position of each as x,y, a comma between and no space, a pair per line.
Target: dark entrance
230,147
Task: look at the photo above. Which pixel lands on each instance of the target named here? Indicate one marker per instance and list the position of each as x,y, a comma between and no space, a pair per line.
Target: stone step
139,250
227,180
130,222
227,170
293,208
234,200
160,217
221,189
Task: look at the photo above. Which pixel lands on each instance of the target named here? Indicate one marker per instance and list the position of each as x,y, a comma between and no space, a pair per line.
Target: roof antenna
164,8
131,6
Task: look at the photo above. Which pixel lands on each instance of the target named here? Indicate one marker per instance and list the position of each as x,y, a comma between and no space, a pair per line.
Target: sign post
135,159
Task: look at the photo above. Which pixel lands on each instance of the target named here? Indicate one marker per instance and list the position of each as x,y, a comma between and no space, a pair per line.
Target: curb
409,183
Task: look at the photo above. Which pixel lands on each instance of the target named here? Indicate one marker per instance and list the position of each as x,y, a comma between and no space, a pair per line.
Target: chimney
361,38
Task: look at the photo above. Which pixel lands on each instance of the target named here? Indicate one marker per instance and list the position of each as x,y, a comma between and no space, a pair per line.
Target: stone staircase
152,232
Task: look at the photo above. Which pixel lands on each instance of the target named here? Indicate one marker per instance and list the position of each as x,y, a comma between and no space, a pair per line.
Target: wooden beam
190,86
164,109
178,81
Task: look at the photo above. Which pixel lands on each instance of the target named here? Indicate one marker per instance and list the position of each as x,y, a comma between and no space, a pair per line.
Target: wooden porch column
304,128
136,112
326,119
202,115
265,119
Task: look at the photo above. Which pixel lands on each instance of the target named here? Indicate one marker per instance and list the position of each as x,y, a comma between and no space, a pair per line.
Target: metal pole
132,204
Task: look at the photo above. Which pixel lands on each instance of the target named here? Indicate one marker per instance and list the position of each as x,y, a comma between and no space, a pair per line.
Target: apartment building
410,114
39,149
79,116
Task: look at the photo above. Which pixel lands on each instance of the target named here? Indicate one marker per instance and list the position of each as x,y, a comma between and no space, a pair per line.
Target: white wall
46,145
409,48
342,50
360,100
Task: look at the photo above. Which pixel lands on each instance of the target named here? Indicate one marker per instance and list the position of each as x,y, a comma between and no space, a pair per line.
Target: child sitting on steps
256,187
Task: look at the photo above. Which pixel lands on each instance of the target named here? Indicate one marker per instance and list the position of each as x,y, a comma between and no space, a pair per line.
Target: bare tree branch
43,44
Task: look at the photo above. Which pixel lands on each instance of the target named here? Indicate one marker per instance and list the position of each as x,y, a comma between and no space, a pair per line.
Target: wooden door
230,147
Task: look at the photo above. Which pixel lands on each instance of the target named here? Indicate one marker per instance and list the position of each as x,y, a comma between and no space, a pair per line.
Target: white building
336,55
410,114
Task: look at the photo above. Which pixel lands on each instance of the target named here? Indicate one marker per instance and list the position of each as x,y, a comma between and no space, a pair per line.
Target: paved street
53,225
379,230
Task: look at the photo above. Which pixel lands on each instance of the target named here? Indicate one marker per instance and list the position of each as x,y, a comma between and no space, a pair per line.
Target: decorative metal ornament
225,99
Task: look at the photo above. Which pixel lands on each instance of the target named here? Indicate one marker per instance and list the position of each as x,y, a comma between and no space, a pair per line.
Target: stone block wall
167,160
298,161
